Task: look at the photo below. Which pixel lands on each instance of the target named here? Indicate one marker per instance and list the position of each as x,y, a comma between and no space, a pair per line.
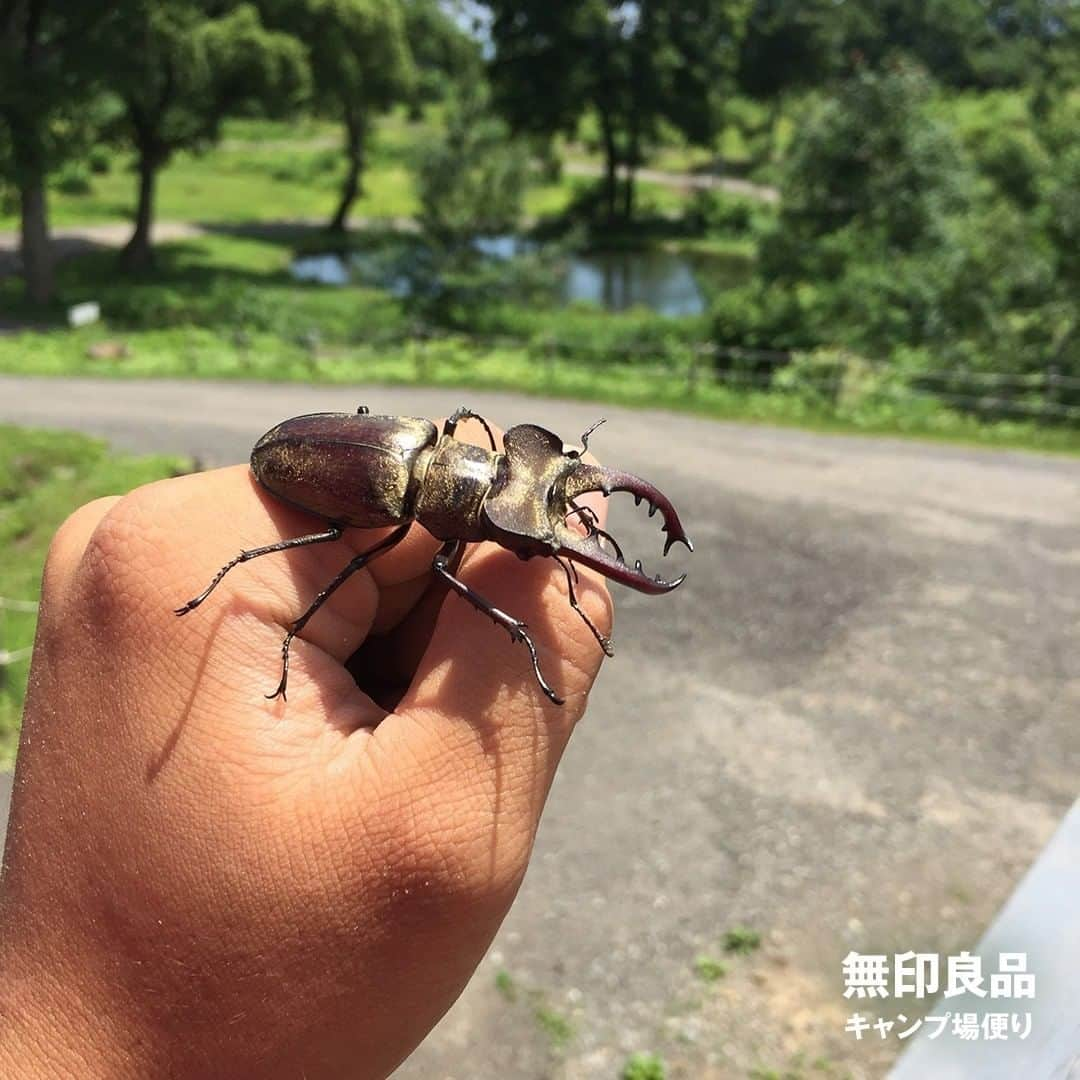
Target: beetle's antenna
585,439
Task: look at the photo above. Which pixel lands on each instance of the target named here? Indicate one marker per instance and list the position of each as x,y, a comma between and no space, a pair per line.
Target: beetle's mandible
364,471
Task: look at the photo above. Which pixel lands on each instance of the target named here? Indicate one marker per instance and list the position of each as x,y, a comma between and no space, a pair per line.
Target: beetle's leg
357,563
592,523
514,627
333,533
601,640
466,414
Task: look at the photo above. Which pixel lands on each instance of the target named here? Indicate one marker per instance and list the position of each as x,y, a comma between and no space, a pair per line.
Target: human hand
202,882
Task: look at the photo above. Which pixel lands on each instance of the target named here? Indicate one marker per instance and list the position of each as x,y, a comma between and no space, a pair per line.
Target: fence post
551,349
1049,386
693,373
420,336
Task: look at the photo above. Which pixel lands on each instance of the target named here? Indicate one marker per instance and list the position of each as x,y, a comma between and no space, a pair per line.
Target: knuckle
69,542
124,547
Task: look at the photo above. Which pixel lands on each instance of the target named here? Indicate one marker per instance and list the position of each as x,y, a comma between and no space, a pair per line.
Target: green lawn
267,170
44,476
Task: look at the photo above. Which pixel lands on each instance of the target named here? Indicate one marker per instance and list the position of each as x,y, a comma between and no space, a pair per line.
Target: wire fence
1047,395
13,656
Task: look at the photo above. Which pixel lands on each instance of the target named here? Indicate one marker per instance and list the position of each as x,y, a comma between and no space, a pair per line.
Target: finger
169,539
474,730
68,545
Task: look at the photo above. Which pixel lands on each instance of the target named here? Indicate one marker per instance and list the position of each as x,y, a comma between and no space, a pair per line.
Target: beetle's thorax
455,478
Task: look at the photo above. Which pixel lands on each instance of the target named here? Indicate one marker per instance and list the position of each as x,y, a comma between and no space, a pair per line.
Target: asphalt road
853,728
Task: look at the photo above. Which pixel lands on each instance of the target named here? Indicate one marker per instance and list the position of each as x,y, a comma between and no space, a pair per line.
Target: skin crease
199,882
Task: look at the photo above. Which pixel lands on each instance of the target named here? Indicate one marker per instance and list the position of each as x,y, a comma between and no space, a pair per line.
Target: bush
1014,161
73,179
99,160
840,382
756,316
472,179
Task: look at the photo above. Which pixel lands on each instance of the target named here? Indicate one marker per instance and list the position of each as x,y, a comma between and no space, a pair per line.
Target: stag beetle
364,471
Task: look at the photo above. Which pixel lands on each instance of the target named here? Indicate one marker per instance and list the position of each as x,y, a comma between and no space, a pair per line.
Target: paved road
854,727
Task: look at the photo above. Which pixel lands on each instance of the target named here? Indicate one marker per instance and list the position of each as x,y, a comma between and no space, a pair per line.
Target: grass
741,940
213,353
264,170
506,986
554,1025
261,171
644,1067
44,476
708,969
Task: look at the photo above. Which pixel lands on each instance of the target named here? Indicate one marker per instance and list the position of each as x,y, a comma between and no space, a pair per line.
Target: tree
868,167
48,75
786,48
360,64
635,66
472,179
444,55
181,68
978,44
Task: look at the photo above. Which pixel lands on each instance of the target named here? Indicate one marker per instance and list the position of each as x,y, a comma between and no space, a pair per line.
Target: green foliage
644,1067
472,179
358,50
555,1026
73,178
182,68
967,43
709,969
444,55
361,66
506,986
44,476
637,67
788,47
870,166
897,242
742,940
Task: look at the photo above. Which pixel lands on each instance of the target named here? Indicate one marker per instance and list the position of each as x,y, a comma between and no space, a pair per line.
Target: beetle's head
532,508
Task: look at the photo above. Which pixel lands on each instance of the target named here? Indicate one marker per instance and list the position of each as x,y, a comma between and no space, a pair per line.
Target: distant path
70,240
854,727
695,181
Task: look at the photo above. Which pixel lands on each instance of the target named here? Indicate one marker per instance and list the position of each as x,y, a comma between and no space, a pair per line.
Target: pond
617,280
662,281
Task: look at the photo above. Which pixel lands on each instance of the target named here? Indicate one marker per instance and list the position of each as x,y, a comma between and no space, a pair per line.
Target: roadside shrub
839,381
756,316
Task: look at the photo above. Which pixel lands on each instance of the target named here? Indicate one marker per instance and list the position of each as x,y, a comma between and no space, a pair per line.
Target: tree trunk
354,153
34,241
611,165
628,193
138,252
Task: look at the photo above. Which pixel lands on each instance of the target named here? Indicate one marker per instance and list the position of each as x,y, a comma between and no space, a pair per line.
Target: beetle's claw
588,550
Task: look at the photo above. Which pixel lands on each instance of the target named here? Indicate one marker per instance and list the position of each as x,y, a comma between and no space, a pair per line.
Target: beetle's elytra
364,471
